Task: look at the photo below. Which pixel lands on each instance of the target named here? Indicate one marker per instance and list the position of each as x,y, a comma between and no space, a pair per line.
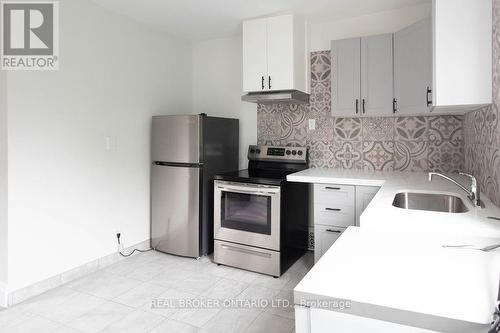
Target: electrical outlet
312,124
119,244
107,143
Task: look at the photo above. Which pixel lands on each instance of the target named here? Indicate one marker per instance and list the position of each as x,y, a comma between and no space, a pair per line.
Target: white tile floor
119,299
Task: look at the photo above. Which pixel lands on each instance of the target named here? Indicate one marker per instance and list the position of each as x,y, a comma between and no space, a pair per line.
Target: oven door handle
257,192
246,251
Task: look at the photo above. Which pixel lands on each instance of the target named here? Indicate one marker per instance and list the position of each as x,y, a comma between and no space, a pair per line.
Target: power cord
118,235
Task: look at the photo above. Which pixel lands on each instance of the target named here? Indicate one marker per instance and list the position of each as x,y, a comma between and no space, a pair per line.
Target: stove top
269,165
266,177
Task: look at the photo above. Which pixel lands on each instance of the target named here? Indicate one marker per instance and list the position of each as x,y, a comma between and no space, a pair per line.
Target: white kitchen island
393,271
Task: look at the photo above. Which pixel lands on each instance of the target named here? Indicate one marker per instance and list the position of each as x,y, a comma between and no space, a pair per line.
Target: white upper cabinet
254,54
413,68
462,46
346,81
274,54
439,65
279,49
362,80
376,75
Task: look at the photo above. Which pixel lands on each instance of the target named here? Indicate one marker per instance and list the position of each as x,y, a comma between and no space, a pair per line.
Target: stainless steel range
260,219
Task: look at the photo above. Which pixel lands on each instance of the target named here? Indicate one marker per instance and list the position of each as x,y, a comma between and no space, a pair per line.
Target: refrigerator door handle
179,165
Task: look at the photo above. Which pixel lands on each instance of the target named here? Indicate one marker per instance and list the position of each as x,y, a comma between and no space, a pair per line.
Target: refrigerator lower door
175,213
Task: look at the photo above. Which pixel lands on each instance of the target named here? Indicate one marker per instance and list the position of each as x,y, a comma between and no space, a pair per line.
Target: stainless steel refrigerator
187,151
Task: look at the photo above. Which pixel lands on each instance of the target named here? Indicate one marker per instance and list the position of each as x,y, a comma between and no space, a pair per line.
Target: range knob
294,152
288,152
252,151
257,151
300,152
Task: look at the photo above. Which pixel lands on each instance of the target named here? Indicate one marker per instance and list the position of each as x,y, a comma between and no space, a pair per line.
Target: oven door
247,214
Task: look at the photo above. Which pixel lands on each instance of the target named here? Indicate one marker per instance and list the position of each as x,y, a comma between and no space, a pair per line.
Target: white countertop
396,261
394,271
380,213
340,176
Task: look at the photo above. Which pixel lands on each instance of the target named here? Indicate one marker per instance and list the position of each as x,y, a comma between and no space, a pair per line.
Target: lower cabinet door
324,237
364,195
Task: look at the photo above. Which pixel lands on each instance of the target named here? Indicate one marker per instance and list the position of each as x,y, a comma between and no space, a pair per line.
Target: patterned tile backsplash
482,129
377,143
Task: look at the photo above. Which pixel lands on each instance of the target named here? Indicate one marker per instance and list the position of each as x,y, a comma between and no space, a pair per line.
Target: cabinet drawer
247,257
334,215
334,194
324,237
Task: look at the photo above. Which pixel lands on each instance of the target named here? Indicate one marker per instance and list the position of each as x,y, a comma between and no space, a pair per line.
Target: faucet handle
475,192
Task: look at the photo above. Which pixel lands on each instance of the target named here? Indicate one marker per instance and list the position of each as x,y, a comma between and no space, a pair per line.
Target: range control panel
291,154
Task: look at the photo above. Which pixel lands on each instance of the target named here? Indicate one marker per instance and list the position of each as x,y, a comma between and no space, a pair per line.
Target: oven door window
246,212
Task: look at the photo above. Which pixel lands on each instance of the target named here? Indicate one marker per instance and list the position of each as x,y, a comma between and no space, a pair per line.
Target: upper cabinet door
377,75
462,34
346,77
274,54
255,55
280,53
413,68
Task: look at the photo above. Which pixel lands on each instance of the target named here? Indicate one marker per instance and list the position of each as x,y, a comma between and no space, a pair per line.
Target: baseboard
20,295
3,295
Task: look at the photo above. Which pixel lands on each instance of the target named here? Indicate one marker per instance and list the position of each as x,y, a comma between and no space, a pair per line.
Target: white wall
68,195
321,34
217,87
3,189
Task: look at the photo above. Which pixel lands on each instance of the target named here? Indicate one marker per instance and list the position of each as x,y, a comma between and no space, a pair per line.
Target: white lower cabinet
311,320
335,214
324,237
302,319
364,195
337,207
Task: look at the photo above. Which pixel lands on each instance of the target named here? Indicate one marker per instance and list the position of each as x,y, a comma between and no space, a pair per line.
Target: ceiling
207,19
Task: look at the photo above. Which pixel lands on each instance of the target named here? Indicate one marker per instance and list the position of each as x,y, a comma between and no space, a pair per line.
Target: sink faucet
473,194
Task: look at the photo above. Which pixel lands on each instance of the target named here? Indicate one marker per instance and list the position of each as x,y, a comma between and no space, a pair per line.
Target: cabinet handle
262,82
333,209
332,188
357,106
394,105
364,110
332,230
429,100
269,82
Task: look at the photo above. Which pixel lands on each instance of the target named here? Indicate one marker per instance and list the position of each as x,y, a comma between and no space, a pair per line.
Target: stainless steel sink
430,201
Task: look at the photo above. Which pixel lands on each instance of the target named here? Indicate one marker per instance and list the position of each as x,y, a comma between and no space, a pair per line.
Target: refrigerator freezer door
175,218
176,139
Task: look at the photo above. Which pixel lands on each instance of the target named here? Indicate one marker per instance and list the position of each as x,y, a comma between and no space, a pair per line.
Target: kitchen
340,111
